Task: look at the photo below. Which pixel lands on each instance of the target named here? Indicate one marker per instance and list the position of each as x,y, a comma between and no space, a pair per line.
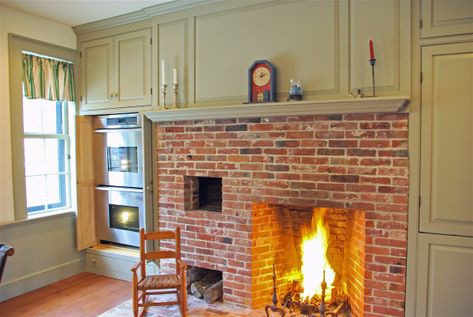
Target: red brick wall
354,161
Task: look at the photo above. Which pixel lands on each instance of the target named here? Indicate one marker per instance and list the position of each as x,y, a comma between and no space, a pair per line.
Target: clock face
261,76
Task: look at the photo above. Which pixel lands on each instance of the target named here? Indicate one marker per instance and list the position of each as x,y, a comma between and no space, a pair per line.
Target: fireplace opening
205,284
318,258
203,193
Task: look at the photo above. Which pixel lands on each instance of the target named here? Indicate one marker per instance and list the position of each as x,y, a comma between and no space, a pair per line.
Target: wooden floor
82,295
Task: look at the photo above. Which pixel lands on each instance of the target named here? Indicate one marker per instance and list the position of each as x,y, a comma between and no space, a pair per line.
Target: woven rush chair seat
161,281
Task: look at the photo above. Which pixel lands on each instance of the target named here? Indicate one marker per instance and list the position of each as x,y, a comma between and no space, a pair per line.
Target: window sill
40,217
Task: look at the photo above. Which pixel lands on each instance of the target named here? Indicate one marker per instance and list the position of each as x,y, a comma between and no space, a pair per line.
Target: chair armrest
135,267
6,249
182,265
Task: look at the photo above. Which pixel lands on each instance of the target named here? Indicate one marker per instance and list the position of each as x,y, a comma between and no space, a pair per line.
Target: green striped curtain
45,78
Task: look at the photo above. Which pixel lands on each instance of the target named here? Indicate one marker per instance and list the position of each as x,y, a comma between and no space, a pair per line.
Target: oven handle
120,189
118,130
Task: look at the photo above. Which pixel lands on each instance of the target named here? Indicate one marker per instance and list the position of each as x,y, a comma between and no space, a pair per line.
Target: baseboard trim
40,278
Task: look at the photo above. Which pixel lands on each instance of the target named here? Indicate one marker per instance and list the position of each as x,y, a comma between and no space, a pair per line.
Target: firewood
214,292
194,274
198,288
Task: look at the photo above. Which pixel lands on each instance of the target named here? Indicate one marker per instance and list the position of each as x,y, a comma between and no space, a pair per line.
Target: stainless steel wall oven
119,178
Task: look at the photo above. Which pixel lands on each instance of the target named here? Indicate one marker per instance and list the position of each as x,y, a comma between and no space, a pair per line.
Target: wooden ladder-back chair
159,284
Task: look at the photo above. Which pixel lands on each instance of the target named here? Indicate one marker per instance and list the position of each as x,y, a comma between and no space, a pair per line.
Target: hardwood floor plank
85,294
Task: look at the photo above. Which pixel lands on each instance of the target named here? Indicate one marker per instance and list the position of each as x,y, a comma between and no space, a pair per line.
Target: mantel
340,106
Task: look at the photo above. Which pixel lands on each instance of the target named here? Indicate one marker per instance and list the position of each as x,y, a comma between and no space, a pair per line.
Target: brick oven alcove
357,163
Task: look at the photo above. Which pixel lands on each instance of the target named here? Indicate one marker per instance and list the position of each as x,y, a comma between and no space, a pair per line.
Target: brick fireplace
274,171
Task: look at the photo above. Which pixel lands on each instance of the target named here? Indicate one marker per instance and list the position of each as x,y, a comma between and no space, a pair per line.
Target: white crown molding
141,15
358,105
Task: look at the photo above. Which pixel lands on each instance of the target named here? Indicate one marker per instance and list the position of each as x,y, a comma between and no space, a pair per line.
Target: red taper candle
371,50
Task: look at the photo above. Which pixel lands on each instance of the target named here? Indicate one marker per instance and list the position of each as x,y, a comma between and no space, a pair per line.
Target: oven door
120,162
119,215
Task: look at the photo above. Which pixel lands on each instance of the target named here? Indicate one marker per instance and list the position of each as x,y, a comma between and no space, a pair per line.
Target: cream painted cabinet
445,241
387,23
447,140
323,43
446,17
116,71
445,276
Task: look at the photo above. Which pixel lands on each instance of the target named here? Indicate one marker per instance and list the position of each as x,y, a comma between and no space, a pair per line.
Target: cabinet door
447,140
133,65
387,23
441,17
85,225
445,276
97,84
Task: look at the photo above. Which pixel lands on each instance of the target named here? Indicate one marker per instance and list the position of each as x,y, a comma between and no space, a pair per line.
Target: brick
345,178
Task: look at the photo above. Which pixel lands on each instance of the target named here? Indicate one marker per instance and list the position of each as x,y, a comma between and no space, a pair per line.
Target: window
47,154
42,127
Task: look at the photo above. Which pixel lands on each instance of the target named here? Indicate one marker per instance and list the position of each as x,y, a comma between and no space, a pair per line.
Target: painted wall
45,248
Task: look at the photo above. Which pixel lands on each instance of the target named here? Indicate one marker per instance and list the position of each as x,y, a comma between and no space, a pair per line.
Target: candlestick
163,73
175,85
372,63
163,95
174,76
371,50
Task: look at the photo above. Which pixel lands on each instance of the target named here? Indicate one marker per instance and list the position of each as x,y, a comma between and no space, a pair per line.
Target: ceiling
77,12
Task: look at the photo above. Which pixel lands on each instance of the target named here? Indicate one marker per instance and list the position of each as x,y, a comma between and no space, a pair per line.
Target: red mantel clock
261,82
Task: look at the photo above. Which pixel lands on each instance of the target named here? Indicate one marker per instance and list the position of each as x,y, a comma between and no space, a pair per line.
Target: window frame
17,45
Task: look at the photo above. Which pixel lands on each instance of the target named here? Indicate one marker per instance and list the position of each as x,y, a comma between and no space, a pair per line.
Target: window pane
55,151
35,193
56,191
34,157
31,116
52,117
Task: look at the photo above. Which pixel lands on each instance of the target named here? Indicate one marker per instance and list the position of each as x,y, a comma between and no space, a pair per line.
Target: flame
314,260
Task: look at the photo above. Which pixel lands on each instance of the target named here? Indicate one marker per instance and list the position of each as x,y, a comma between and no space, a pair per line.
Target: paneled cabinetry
323,43
443,18
447,140
116,71
445,249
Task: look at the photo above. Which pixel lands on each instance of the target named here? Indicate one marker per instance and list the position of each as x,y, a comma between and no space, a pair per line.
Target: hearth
275,171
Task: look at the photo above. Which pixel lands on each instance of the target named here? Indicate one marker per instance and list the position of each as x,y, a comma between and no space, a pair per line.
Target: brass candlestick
163,95
175,86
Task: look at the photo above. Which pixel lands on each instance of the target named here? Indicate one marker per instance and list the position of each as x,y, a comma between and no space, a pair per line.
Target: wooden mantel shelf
354,105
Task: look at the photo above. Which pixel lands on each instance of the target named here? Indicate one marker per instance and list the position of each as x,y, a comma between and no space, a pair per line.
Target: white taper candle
174,76
163,73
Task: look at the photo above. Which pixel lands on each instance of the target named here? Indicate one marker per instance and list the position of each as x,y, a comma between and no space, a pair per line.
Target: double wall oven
119,177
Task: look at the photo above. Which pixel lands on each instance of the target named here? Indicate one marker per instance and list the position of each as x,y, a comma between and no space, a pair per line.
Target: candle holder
175,86
163,96
373,63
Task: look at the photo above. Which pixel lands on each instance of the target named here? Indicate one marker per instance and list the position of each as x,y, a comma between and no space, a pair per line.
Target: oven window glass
124,217
123,159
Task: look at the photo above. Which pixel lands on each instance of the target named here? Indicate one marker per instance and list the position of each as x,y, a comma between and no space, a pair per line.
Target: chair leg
135,301
183,296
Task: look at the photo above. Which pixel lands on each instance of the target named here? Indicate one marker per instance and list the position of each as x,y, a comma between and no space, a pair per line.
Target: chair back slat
160,235
155,255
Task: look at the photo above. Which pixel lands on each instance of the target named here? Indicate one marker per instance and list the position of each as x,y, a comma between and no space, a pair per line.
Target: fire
314,260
